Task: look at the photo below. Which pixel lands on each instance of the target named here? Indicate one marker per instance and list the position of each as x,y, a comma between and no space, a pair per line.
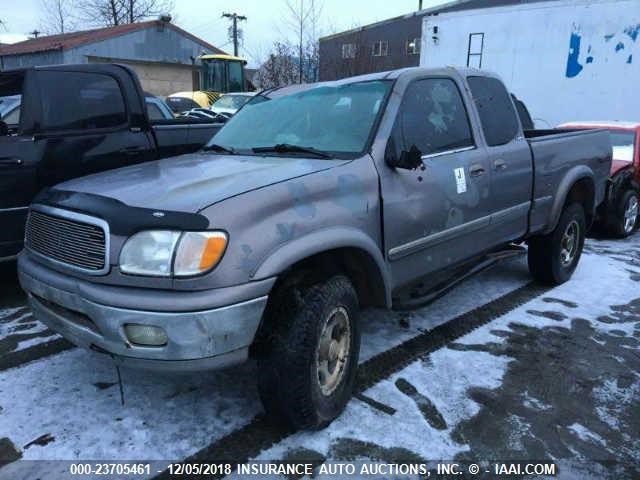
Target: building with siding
389,44
162,54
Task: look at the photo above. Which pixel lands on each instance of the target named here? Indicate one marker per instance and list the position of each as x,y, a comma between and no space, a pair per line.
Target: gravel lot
498,369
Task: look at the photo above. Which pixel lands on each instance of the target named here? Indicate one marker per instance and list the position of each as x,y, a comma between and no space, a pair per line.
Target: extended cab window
433,118
498,117
78,101
154,112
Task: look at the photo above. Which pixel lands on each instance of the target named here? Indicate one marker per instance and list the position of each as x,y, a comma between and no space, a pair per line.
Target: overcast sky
264,23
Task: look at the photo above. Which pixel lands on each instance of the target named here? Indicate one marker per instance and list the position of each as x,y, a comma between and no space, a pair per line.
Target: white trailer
567,59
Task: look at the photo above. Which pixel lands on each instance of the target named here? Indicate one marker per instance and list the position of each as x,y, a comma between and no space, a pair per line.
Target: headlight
166,252
149,253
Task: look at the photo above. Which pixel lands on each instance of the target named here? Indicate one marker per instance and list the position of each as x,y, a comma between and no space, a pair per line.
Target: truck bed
560,156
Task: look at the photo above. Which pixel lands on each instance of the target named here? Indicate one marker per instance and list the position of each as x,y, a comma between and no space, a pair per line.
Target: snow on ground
477,362
554,378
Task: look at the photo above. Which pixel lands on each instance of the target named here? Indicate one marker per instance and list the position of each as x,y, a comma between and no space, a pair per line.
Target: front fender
321,241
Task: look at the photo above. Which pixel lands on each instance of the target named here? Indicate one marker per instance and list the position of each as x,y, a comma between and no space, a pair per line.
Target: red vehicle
619,213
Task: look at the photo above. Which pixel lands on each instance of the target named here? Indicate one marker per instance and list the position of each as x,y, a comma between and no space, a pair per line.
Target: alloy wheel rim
631,214
332,351
569,243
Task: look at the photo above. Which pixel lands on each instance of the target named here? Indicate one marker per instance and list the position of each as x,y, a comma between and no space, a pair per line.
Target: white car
230,103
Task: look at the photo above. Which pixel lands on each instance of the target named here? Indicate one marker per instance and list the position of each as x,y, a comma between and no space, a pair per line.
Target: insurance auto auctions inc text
384,470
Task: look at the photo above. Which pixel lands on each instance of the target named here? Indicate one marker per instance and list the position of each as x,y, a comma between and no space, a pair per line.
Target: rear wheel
626,218
553,258
309,360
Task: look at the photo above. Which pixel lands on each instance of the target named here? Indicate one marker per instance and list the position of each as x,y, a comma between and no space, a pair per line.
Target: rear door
510,159
432,215
87,125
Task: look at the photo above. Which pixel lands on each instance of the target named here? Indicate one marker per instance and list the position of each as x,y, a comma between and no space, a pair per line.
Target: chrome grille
67,240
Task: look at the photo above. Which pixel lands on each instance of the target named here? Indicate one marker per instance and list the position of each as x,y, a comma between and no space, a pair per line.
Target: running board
416,298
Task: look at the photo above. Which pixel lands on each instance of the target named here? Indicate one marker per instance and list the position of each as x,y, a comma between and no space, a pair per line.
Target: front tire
309,360
626,216
553,258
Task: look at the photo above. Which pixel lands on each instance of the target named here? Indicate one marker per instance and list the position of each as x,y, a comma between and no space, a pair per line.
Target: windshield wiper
218,148
289,148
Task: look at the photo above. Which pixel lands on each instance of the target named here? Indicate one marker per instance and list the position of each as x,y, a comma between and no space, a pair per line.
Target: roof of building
452,6
66,41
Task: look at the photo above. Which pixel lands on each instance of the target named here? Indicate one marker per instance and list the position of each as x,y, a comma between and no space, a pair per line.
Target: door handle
132,150
10,161
499,164
476,170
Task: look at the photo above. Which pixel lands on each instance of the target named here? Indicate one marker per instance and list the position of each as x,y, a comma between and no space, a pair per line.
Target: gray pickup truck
303,209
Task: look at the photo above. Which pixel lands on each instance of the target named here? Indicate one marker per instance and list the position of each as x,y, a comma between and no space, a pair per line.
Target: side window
154,112
13,117
498,117
235,76
77,101
433,118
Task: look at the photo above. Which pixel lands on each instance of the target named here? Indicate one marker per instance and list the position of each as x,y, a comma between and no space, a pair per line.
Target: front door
432,215
86,126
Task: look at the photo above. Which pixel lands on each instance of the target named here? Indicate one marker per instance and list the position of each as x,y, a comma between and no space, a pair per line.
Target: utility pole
235,18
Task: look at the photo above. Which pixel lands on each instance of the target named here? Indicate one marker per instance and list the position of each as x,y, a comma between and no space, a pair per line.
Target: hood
617,165
189,183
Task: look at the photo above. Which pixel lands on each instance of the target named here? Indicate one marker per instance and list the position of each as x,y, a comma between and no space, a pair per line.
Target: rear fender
572,177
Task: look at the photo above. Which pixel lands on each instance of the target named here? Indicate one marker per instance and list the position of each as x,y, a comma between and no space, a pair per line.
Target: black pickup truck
75,120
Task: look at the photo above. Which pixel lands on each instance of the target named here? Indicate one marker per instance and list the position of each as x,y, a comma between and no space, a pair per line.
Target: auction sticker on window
461,181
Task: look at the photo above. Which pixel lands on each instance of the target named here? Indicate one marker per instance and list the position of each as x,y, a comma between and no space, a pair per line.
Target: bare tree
138,10
110,13
280,68
303,20
57,16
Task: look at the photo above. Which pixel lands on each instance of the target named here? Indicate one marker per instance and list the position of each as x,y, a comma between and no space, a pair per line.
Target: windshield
231,101
623,145
333,119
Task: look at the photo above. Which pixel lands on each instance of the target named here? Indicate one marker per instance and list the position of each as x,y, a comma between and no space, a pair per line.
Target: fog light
146,335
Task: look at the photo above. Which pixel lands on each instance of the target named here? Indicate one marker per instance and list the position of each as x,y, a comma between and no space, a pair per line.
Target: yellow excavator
218,74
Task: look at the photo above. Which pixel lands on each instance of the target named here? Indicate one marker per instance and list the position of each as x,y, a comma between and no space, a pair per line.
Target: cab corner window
497,114
432,118
81,101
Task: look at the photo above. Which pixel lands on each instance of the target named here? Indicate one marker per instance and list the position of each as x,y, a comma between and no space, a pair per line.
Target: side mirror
408,160
4,129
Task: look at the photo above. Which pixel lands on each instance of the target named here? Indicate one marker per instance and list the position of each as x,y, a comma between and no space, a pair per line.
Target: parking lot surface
498,369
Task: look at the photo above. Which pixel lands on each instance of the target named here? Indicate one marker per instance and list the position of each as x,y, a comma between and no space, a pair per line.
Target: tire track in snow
259,434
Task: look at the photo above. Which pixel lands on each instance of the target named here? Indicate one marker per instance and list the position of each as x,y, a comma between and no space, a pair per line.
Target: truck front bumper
195,340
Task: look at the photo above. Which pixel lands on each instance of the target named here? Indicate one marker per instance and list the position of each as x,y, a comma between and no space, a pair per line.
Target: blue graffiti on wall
574,66
573,63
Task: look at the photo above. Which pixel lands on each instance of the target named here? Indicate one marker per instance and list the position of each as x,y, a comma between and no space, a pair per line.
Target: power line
234,33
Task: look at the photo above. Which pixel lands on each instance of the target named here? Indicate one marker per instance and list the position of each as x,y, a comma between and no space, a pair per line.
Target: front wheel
553,258
626,217
308,366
